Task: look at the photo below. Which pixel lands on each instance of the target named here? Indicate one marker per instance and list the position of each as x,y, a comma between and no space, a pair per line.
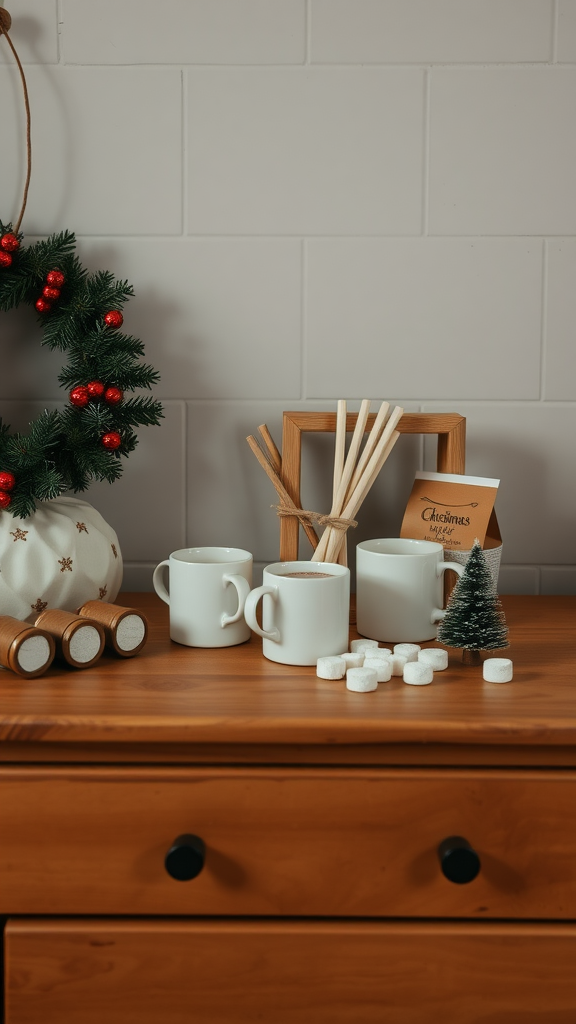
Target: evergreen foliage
474,619
63,450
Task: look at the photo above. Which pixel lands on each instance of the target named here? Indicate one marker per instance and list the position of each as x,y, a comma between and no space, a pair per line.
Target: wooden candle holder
125,629
78,641
25,649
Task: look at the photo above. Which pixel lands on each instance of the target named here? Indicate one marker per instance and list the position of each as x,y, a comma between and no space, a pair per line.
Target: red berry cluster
84,393
8,244
7,482
51,291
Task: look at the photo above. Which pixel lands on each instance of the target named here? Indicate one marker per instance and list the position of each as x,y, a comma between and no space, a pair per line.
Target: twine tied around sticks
5,25
303,516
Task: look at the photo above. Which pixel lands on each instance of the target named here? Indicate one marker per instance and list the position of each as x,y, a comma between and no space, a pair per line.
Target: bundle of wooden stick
355,473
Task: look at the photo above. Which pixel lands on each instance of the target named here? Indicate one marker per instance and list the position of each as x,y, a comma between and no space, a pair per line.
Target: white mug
399,592
208,589
305,611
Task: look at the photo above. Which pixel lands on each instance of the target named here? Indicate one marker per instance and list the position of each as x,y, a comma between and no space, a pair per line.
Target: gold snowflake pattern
66,564
39,606
18,534
102,592
81,527
114,552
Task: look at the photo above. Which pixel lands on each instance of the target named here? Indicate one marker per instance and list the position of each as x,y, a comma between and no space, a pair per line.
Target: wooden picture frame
450,428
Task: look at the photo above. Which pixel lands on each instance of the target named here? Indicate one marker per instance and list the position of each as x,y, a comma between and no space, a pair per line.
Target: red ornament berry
114,318
5,259
55,278
42,306
95,389
9,242
79,396
112,440
113,396
51,293
7,481
5,499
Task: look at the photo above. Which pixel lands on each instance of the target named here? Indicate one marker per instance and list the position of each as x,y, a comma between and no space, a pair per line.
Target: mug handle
250,612
243,589
158,582
439,613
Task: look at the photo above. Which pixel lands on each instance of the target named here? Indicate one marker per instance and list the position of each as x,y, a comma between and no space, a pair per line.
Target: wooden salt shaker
125,629
78,641
25,649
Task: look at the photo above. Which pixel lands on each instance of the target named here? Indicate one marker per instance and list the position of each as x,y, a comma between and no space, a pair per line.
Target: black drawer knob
185,858
459,862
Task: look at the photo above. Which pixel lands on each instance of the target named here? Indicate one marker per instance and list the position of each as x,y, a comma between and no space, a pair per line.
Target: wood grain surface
287,841
173,694
142,972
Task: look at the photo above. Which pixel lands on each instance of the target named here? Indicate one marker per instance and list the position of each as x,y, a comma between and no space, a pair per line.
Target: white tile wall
430,31
566,41
501,158
107,150
305,151
560,337
313,199
184,32
410,316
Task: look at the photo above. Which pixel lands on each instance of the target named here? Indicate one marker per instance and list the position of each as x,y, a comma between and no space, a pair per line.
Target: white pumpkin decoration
61,556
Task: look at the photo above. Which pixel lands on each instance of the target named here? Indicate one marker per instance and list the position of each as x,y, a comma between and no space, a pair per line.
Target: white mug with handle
399,588
208,591
305,611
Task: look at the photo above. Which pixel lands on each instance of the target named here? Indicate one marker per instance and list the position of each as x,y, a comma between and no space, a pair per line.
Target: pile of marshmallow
367,664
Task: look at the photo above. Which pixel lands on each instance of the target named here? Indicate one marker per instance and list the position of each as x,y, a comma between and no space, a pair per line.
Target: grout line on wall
308,33
555,28
59,26
544,320
184,153
184,472
426,155
303,339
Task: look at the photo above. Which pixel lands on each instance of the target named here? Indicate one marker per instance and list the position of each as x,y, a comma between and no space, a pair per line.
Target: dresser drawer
146,972
306,842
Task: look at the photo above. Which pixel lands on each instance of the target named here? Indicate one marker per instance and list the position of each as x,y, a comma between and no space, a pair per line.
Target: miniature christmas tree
474,617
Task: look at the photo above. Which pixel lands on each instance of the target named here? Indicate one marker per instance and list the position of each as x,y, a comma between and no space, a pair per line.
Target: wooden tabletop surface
172,694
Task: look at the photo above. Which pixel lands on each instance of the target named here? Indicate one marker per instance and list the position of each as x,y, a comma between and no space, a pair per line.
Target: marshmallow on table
331,668
497,670
381,666
397,663
408,651
436,657
361,680
353,659
362,645
417,673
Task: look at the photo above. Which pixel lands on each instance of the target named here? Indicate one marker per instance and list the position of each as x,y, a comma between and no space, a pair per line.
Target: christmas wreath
80,314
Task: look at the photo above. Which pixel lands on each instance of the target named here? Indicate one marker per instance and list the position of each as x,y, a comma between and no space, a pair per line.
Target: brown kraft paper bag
452,510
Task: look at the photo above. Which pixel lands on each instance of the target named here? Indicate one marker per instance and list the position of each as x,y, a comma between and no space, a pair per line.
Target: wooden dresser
321,899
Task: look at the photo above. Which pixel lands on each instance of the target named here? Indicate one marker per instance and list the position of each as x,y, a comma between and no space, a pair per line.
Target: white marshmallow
362,645
397,663
408,651
331,668
436,657
497,670
417,673
353,659
361,680
381,666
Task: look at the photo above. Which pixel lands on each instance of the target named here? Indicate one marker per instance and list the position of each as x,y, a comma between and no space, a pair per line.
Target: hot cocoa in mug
305,611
